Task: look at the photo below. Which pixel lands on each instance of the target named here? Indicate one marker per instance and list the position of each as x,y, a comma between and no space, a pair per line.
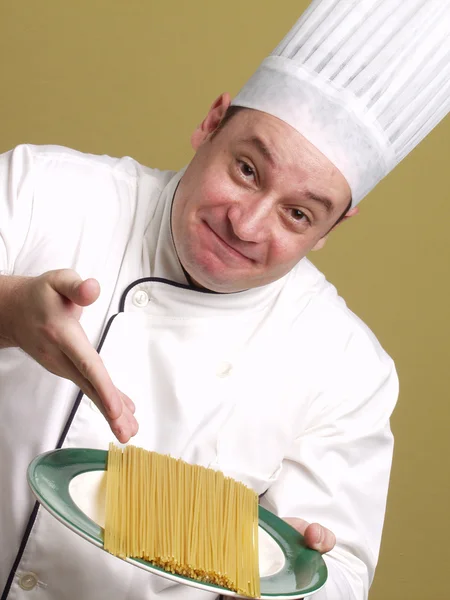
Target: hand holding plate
316,536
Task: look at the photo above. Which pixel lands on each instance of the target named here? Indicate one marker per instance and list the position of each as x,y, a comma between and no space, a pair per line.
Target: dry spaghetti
187,519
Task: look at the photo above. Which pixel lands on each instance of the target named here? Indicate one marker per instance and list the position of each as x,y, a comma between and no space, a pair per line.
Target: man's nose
252,218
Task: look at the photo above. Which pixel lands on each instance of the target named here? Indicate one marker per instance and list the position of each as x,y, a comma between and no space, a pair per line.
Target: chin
218,286
211,275
225,285
208,281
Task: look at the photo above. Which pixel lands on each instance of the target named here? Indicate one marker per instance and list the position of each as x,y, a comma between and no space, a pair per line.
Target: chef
178,308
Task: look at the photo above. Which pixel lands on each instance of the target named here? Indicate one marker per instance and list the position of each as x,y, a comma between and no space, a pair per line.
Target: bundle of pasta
187,519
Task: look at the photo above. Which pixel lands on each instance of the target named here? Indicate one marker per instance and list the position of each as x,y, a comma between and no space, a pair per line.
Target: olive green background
133,78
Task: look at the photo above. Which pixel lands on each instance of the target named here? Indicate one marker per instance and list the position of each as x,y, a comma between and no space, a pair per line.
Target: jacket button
28,581
140,299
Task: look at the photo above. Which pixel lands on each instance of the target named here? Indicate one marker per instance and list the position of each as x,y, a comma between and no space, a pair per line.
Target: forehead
283,149
275,140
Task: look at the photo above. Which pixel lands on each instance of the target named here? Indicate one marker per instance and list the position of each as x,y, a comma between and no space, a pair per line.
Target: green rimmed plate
70,484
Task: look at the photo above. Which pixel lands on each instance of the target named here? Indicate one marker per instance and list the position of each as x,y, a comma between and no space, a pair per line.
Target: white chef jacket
280,386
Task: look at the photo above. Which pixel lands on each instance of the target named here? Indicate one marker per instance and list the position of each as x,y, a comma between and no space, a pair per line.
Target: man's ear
211,121
321,243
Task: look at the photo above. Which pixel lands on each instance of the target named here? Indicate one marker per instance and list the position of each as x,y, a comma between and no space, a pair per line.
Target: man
214,333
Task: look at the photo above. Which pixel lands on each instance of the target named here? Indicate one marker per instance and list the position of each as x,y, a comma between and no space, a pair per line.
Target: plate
70,483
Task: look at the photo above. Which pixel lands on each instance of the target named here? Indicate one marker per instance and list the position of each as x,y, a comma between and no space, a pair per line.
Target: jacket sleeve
16,204
337,470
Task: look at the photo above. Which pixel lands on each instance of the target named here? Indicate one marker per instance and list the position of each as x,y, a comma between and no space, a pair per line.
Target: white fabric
300,413
363,80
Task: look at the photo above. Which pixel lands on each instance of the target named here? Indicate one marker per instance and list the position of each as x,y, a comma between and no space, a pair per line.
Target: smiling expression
255,199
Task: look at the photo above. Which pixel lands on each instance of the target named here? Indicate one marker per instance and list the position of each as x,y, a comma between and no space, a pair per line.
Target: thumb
319,538
316,536
69,284
299,524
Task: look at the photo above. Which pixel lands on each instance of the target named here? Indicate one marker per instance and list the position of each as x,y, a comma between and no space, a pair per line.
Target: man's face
255,199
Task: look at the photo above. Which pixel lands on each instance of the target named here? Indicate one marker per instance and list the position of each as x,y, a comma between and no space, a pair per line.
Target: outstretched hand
44,321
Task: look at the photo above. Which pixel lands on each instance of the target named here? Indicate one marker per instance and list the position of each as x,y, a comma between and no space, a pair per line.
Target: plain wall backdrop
134,77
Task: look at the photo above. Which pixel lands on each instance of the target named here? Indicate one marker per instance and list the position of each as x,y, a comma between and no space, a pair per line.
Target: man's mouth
227,246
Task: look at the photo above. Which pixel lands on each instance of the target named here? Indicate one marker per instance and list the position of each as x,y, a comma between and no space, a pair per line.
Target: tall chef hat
363,80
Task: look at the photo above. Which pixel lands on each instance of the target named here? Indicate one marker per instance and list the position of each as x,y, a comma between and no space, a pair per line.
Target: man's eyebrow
326,202
258,143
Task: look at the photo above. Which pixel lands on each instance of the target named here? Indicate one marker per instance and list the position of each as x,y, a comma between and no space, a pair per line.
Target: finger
76,346
55,361
128,402
88,292
125,426
319,538
128,412
134,425
130,426
69,284
299,524
123,429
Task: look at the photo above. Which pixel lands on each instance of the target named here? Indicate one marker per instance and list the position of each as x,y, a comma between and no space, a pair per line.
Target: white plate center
88,491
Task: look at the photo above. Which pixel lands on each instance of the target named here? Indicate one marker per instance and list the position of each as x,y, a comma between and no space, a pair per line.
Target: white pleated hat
363,80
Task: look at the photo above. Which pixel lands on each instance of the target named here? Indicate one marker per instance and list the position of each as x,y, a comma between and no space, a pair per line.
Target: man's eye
298,215
246,169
